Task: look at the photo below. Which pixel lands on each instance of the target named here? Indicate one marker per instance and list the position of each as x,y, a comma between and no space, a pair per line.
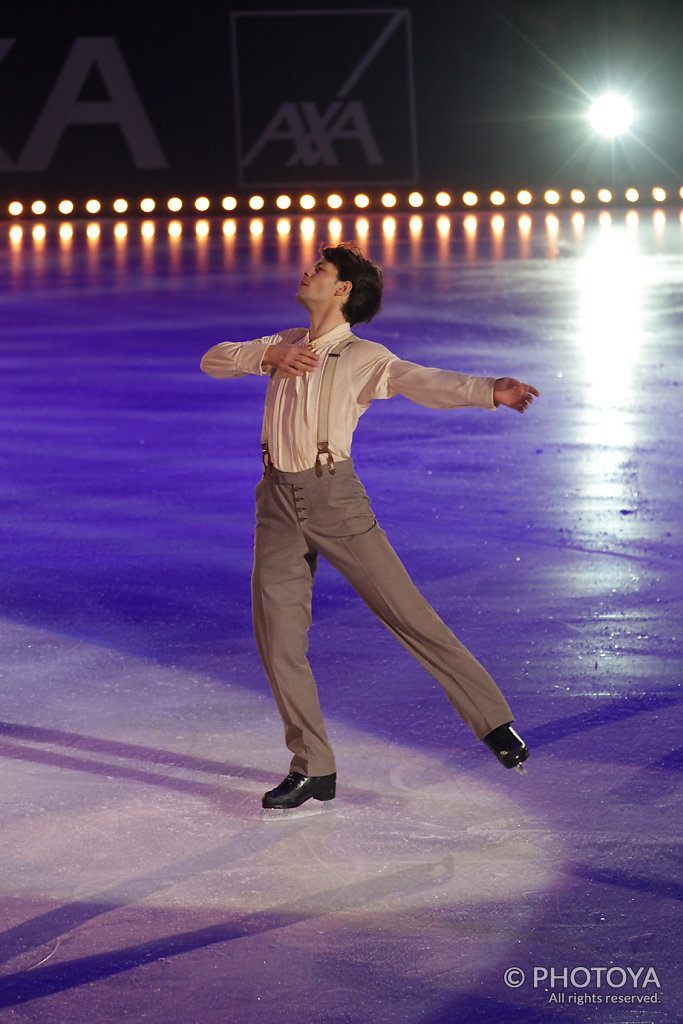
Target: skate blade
311,809
521,769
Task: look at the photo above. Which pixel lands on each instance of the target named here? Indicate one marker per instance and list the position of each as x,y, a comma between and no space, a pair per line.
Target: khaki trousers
300,516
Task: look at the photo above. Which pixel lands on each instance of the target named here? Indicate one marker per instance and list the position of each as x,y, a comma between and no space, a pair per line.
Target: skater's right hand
293,359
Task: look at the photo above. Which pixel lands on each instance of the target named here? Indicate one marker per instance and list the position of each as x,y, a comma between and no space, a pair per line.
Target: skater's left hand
514,394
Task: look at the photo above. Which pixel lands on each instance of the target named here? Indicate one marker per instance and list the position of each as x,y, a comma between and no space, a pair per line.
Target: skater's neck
322,323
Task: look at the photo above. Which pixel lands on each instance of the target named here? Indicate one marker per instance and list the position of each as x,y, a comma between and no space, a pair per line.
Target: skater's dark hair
365,299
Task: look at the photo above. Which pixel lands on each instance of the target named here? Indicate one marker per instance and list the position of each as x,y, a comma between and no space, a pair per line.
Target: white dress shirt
365,371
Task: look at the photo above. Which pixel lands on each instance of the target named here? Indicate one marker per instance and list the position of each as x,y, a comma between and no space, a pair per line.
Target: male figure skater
310,503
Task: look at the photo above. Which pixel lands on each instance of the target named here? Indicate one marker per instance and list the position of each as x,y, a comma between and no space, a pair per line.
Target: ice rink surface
137,879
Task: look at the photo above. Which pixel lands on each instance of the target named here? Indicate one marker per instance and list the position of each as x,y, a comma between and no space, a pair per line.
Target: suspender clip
265,455
324,450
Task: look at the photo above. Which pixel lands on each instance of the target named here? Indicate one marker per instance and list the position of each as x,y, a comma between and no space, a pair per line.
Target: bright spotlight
611,115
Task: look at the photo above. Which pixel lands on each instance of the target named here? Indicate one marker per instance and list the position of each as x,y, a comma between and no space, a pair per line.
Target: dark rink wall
132,97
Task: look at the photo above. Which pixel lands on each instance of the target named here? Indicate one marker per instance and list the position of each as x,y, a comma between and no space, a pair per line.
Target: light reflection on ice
612,275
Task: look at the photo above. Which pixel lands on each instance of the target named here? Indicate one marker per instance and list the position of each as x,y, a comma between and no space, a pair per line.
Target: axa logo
314,132
350,134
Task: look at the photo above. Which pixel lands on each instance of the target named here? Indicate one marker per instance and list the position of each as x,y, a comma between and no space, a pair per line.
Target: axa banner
132,98
232,99
331,101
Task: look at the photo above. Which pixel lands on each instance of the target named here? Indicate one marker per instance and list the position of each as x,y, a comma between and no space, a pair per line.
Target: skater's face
320,287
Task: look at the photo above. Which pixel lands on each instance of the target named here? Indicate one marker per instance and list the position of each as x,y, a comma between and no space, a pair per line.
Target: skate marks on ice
87,755
132,835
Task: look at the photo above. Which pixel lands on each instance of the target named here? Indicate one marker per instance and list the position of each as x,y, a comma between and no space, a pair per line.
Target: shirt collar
332,338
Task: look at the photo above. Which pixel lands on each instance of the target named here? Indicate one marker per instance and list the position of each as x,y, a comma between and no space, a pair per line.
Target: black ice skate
509,748
296,789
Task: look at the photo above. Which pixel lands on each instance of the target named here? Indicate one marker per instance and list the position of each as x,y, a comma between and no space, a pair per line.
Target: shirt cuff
250,357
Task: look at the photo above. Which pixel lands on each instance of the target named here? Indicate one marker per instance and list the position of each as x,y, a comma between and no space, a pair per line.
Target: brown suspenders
323,412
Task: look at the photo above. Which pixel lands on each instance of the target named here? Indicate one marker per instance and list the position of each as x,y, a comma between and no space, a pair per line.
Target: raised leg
376,573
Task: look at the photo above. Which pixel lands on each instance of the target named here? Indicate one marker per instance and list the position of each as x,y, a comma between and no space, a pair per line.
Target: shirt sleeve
239,358
439,389
235,359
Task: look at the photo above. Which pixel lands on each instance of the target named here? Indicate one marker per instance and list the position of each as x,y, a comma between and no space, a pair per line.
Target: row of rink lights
361,201
308,227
